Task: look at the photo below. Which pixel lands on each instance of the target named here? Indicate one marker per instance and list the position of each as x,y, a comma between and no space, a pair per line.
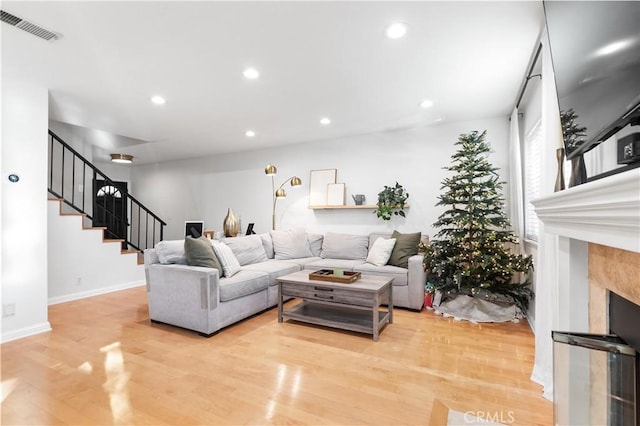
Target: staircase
97,231
108,205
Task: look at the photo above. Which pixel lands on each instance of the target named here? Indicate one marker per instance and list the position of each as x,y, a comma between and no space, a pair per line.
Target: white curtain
547,301
515,179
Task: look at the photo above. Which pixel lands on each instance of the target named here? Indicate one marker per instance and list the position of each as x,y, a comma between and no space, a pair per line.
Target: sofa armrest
182,295
416,279
150,257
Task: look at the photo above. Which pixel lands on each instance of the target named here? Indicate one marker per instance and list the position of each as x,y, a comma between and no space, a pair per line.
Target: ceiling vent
29,27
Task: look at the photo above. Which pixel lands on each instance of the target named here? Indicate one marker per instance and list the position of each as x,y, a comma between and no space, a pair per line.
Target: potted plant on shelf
391,201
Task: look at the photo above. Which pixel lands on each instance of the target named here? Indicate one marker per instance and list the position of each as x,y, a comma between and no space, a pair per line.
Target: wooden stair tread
72,214
136,252
94,228
109,240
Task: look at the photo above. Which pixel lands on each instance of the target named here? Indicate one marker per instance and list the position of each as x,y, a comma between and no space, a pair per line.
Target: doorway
110,208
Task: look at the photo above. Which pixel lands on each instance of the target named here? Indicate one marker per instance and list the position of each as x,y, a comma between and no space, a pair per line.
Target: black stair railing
106,203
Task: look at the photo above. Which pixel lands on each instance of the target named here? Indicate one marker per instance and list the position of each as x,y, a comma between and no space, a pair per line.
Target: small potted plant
391,201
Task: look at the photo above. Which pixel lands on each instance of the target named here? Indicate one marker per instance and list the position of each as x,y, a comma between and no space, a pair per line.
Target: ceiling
316,59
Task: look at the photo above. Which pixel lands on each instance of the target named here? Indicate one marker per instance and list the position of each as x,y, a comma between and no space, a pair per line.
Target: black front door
110,208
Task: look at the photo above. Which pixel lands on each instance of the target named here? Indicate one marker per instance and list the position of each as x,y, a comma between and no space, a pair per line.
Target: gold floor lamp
271,170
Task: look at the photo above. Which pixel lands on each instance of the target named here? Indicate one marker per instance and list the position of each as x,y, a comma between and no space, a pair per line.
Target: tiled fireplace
594,261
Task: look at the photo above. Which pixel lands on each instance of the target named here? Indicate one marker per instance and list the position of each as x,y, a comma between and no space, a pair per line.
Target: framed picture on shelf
318,184
336,194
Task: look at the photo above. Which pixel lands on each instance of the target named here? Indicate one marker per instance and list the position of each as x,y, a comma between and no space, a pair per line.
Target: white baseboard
532,324
95,292
25,332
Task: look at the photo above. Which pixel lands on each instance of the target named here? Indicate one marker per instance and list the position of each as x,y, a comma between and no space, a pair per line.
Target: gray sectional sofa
204,300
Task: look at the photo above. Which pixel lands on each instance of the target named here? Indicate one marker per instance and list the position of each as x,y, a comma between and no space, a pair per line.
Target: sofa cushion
275,268
399,275
344,246
290,244
380,252
304,260
267,243
406,246
228,261
199,252
247,249
315,243
171,251
346,264
242,284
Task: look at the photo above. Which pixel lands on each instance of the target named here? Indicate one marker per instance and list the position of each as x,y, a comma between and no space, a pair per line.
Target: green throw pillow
406,246
199,252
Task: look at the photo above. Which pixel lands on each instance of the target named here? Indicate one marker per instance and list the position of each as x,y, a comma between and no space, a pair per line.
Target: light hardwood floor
104,363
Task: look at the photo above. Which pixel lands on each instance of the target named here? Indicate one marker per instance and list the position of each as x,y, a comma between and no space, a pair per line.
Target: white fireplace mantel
605,211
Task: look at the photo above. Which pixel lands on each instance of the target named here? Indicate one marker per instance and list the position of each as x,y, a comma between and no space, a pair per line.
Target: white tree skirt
478,310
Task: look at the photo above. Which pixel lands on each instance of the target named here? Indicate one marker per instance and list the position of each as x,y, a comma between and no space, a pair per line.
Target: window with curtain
532,166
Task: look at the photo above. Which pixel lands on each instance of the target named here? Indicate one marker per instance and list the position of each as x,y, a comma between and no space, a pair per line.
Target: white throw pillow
381,251
290,244
171,252
228,261
247,249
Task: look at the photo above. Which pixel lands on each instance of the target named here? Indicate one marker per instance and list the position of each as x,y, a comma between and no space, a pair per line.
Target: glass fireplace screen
594,380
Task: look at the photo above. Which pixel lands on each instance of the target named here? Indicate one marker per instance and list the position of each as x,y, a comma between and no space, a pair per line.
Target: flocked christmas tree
471,253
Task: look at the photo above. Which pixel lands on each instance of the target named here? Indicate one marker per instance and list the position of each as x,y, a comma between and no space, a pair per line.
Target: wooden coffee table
354,306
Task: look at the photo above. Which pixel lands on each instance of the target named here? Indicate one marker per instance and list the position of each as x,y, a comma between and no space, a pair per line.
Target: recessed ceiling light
251,73
325,121
426,104
158,100
250,133
396,30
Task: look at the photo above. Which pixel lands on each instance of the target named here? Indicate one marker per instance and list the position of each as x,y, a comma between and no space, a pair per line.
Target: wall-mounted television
595,50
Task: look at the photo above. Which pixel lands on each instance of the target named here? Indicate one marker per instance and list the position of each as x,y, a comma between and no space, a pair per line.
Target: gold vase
231,225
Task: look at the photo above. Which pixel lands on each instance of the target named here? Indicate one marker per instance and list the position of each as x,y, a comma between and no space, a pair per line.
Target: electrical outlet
8,310
79,281
80,188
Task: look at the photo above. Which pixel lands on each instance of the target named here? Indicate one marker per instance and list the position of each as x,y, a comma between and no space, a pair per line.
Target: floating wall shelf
370,207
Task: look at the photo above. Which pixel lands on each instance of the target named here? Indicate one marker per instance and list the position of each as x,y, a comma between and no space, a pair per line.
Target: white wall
74,136
203,189
24,209
81,265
